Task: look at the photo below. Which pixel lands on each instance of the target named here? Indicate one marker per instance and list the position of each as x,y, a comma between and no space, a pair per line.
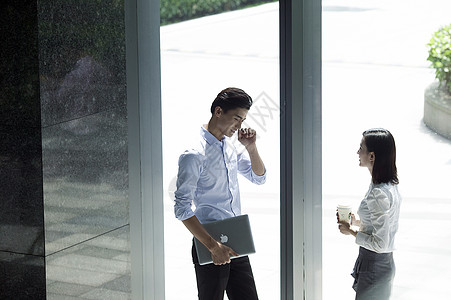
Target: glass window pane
200,57
375,71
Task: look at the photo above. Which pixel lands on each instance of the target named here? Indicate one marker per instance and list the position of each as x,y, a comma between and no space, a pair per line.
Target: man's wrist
212,245
251,148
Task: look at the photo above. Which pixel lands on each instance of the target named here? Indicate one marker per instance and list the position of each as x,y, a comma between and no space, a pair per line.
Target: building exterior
81,188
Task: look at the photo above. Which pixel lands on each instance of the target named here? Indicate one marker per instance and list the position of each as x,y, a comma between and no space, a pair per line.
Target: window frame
300,190
300,138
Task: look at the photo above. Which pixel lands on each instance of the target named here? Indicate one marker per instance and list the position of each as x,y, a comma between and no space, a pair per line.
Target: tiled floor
96,269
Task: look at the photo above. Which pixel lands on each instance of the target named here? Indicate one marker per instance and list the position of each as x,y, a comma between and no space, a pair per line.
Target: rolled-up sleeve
245,169
190,167
379,239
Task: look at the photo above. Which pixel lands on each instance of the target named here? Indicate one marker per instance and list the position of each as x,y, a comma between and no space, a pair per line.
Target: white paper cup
344,213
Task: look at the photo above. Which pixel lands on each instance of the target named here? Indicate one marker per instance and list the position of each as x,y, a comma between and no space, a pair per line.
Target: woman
374,269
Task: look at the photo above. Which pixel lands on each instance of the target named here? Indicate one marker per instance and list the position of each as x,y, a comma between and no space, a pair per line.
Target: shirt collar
209,138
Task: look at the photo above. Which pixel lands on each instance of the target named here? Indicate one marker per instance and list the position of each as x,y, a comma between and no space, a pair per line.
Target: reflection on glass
84,148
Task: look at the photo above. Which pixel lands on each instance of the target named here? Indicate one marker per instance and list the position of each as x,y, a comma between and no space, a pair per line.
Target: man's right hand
221,254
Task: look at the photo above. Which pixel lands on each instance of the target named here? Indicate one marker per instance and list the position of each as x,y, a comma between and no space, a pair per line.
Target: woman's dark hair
381,142
231,98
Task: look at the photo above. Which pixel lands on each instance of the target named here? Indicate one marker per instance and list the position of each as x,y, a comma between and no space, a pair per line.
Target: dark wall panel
63,150
22,265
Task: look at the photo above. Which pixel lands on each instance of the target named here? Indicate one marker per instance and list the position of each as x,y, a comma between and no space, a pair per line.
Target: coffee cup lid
344,206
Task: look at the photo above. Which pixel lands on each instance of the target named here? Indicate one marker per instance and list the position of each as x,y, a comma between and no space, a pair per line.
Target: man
207,177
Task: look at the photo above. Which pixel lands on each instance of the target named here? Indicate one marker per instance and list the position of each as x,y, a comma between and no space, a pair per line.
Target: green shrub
440,55
172,11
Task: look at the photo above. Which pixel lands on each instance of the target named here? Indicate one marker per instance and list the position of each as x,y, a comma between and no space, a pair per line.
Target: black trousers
235,278
373,274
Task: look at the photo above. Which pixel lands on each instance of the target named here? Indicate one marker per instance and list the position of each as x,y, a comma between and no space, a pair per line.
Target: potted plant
437,96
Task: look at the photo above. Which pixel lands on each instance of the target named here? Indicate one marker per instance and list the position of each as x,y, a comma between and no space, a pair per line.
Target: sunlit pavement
374,75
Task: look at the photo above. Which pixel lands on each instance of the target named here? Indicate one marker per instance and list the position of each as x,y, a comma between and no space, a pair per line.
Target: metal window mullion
145,148
300,67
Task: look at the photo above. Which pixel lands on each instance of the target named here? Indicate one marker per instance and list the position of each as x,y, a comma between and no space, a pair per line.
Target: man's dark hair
381,142
231,98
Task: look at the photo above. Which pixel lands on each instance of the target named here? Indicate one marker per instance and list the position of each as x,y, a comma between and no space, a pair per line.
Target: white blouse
379,215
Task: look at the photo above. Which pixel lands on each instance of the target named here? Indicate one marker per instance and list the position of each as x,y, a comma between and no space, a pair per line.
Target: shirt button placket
228,167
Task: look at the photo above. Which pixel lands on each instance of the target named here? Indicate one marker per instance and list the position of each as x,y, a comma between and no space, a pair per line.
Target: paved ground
374,74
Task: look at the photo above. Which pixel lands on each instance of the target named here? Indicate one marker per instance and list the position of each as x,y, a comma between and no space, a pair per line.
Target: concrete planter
437,109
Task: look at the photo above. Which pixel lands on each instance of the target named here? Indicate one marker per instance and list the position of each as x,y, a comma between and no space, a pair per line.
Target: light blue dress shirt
207,178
